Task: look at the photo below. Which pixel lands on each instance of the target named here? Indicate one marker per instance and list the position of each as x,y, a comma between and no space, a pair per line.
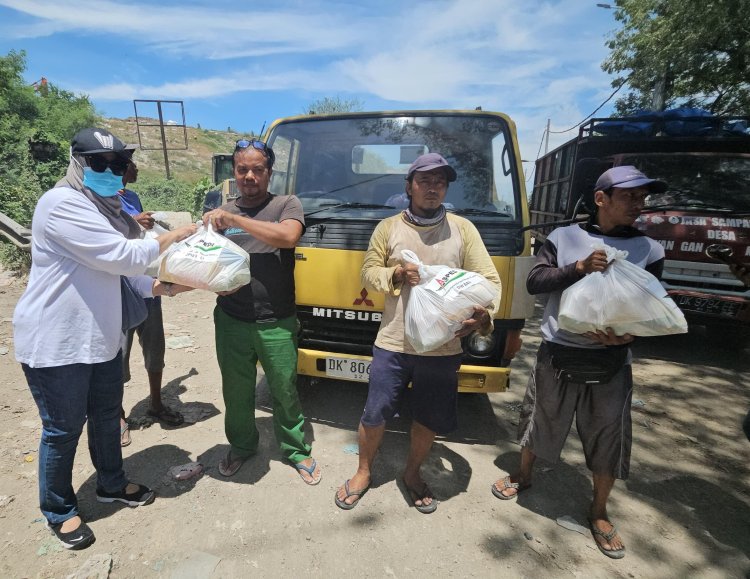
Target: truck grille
333,335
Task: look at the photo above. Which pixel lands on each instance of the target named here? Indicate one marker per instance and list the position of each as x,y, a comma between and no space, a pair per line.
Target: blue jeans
66,397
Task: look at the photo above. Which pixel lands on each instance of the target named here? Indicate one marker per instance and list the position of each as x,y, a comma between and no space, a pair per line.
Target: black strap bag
587,365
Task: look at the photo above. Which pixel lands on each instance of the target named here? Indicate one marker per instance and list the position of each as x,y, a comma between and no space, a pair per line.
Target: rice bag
623,297
206,260
444,298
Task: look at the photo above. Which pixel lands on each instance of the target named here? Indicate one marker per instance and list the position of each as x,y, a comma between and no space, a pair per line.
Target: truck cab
704,214
348,170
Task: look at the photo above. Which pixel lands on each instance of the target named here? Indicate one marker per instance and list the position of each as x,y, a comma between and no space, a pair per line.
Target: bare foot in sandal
509,487
124,433
607,538
346,493
421,495
309,471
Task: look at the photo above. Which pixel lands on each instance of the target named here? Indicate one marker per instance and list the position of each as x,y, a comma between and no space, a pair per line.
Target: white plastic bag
206,260
623,297
444,298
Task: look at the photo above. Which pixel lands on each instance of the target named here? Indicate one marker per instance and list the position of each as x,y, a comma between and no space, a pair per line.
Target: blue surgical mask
105,184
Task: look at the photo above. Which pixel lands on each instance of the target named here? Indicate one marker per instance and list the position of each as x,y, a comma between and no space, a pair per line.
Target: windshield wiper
475,211
332,206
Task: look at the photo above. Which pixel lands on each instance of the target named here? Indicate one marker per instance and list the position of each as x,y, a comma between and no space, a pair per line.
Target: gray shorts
150,337
602,413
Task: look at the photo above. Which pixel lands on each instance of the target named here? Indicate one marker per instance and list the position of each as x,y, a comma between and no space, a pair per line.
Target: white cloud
204,32
535,60
211,87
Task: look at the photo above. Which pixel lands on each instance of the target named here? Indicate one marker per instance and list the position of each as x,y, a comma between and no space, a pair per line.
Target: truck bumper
712,309
349,367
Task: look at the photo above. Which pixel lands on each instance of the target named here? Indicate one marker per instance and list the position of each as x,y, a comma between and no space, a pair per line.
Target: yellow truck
348,170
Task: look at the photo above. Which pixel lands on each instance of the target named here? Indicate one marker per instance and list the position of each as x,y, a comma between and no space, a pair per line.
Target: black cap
93,140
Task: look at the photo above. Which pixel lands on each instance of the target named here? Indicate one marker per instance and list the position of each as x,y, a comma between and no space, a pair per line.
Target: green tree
329,105
35,132
694,52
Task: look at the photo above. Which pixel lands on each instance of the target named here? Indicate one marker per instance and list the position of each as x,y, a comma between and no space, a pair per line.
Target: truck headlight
481,346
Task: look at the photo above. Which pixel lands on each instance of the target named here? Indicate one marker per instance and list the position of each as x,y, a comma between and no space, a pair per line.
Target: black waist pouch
587,365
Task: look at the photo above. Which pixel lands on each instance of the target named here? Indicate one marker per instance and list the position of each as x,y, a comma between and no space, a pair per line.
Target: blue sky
243,64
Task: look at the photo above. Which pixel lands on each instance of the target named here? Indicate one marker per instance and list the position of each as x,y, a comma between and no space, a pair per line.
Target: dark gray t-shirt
270,294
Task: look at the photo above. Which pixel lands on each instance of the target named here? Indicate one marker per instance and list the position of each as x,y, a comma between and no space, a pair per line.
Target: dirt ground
685,512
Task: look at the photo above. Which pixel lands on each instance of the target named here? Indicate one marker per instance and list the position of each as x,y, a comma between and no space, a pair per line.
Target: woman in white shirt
68,326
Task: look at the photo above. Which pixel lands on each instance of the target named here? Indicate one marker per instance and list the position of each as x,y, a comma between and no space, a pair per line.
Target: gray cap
430,161
628,177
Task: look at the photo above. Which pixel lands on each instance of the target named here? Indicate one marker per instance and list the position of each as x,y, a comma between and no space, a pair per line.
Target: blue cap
628,177
430,161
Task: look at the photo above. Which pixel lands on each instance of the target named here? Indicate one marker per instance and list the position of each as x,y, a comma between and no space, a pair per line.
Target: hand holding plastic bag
153,267
444,298
206,260
623,297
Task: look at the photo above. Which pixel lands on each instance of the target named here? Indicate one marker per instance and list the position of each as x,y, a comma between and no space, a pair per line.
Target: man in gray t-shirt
258,322
552,399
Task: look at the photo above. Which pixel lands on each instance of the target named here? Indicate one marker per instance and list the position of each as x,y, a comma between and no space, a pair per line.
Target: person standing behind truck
258,322
151,331
438,238
602,409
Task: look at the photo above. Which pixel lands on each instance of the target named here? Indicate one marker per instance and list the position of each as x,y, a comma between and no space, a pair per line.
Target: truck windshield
700,181
356,166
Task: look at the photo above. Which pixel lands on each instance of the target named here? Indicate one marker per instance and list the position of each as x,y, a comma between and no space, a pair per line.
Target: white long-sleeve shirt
71,311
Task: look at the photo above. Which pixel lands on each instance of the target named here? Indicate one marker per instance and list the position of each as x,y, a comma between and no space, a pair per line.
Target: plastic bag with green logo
444,298
206,260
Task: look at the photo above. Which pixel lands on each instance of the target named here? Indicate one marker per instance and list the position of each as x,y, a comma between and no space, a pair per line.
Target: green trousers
239,347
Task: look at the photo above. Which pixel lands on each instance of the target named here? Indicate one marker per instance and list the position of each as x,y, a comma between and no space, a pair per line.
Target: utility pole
546,137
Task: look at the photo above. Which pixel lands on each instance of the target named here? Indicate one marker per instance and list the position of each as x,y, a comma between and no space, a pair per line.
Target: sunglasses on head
255,144
100,164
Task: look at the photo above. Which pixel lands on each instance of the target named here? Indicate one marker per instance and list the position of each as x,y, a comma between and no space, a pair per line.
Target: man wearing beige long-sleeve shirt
438,238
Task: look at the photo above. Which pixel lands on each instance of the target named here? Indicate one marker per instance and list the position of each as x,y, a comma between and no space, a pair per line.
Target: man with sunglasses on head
68,326
258,322
557,389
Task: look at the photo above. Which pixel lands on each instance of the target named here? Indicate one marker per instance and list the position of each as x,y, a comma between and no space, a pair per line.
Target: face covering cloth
110,207
104,184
